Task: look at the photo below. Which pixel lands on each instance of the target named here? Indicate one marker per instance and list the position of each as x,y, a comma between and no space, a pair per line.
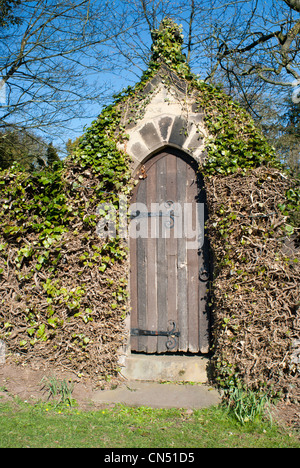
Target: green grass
47,425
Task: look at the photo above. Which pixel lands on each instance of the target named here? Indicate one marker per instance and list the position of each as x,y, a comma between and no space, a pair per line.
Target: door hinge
158,214
171,333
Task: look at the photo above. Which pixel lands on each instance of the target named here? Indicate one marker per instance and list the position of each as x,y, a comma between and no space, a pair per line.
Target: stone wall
165,114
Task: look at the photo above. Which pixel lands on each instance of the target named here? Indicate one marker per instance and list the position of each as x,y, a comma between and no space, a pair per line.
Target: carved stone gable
163,114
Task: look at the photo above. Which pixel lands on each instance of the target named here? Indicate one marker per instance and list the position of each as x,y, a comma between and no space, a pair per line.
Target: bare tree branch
45,61
145,10
190,36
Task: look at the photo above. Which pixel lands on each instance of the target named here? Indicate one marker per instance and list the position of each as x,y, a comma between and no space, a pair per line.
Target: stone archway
168,117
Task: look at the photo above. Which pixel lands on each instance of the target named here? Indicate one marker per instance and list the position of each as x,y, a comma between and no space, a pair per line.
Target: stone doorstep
166,367
159,395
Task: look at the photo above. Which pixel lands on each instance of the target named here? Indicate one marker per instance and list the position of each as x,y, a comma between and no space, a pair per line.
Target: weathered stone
164,125
195,142
167,117
179,130
2,352
139,151
172,368
150,135
198,118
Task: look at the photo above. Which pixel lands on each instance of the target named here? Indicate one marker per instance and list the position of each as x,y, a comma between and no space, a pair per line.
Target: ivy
49,248
167,48
235,142
38,214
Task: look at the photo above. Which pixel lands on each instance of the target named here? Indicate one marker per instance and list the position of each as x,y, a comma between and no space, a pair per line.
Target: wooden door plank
182,261
164,280
141,246
171,242
151,262
133,281
193,267
161,256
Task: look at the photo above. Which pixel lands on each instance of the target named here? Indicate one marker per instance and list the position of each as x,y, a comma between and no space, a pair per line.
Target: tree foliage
7,16
51,155
54,55
48,58
284,132
24,148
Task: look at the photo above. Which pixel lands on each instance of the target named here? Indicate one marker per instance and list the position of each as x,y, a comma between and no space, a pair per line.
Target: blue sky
231,15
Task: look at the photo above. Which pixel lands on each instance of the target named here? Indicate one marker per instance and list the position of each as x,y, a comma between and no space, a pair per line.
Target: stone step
165,367
158,395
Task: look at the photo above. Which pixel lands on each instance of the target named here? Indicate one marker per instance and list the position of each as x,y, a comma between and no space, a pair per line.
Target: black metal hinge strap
172,334
160,214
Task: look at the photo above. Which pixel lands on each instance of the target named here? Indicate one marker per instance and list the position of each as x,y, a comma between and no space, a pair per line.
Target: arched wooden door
169,260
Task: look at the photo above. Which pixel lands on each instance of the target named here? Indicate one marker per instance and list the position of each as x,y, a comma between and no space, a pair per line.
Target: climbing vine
167,48
256,283
64,291
235,141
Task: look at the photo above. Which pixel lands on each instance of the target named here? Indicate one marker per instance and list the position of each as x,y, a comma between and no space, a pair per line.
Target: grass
49,425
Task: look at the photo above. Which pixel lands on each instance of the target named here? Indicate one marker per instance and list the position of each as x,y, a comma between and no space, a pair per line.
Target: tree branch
144,5
263,38
294,4
190,30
